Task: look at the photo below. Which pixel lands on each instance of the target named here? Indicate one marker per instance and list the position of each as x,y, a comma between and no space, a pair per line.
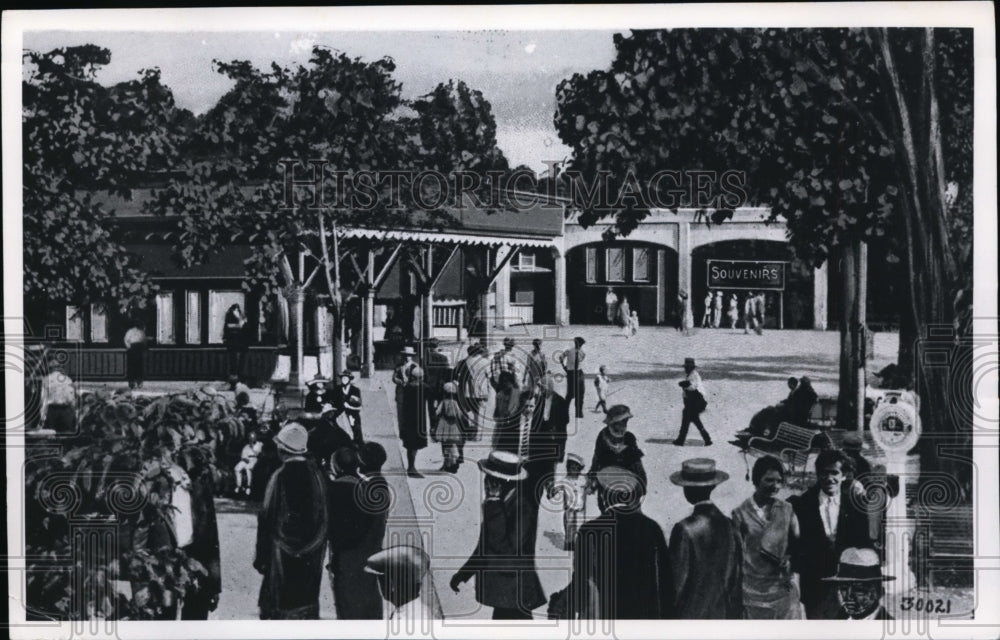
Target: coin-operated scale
895,427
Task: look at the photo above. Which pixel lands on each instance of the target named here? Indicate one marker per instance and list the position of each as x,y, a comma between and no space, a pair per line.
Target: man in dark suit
503,561
705,550
859,581
634,582
831,519
546,440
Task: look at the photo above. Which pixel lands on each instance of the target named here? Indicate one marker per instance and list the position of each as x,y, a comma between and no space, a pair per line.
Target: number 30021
930,605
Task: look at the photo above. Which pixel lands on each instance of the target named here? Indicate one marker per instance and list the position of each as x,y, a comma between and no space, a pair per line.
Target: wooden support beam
387,267
437,276
514,250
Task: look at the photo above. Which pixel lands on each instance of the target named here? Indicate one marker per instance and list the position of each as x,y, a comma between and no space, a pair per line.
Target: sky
517,71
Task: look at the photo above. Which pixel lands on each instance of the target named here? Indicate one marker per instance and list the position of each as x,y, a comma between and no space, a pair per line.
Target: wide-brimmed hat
293,438
698,472
859,565
403,561
326,408
575,459
617,413
347,374
317,381
408,351
503,465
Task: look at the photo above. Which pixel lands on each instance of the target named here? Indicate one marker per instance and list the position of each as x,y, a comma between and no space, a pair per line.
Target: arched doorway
644,273
796,303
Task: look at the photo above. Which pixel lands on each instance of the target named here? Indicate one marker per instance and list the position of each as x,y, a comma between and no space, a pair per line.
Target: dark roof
528,214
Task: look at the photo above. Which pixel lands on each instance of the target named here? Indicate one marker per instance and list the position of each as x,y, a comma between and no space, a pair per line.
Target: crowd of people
813,556
768,559
719,309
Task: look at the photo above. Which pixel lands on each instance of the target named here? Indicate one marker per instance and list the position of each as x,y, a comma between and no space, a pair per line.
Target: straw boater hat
408,351
698,472
859,565
617,413
292,439
450,387
402,560
575,459
503,465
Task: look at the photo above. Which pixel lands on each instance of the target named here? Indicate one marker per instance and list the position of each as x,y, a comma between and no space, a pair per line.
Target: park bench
790,443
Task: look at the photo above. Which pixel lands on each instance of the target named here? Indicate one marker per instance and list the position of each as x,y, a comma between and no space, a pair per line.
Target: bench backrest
798,437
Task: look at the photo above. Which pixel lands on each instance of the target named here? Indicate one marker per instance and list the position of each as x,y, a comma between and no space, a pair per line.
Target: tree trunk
946,444
907,339
337,315
848,388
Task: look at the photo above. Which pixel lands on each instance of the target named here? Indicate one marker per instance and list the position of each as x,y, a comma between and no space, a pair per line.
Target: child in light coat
248,459
571,490
447,429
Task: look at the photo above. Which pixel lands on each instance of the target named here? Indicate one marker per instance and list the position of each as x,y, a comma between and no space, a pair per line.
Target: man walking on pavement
694,403
705,550
572,363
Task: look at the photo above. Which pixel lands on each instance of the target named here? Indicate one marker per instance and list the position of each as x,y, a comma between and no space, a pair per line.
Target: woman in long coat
292,533
413,418
617,447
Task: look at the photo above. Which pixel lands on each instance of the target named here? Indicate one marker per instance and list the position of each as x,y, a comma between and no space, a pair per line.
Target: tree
80,137
282,162
821,122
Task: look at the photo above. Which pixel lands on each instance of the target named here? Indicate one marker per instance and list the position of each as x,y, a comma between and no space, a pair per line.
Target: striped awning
446,238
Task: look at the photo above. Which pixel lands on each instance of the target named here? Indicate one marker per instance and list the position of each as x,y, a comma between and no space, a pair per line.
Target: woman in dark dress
413,419
234,337
617,447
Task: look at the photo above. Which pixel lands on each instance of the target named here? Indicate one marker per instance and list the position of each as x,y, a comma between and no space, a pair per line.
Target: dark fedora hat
503,465
579,341
689,361
859,565
698,472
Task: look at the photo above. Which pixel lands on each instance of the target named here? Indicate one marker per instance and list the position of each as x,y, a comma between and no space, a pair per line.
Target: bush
91,500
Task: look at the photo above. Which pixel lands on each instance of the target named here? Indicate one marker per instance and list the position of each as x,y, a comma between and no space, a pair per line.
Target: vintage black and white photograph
411,322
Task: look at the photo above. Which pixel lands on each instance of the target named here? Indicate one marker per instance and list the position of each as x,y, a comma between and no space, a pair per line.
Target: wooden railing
169,363
449,315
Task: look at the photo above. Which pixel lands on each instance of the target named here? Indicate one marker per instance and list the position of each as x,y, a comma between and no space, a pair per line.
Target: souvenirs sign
746,274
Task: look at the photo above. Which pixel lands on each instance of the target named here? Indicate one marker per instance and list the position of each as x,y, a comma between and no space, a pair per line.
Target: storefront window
98,324
616,265
165,317
640,264
74,324
591,264
192,318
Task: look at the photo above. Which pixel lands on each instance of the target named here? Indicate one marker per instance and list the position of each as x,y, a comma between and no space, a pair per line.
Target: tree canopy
80,137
